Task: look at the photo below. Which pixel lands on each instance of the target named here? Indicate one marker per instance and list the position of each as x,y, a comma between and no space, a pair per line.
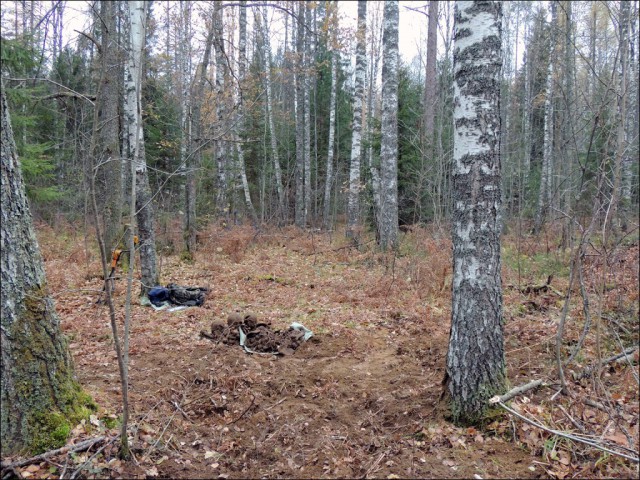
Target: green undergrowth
537,267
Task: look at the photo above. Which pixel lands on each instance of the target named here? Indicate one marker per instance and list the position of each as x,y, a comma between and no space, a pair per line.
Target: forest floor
362,397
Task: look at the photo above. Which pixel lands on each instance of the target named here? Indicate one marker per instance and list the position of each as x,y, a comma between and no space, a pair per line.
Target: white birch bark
299,116
544,194
306,67
632,120
389,125
622,169
182,56
431,79
475,359
353,196
136,153
526,124
222,197
372,113
332,117
266,46
242,67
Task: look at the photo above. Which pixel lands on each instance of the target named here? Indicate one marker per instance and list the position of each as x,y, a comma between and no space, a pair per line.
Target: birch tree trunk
568,131
183,51
242,68
372,113
475,360
526,125
332,115
306,67
222,198
266,45
193,158
135,144
633,106
353,196
389,149
300,219
544,194
40,401
622,163
431,80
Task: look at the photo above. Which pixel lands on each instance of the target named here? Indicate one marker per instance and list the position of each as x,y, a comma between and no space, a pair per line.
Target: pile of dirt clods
255,336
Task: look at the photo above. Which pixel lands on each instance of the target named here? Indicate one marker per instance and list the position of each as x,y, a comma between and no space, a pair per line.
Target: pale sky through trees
412,27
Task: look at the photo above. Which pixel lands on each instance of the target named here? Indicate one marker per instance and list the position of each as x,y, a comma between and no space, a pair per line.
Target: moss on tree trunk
40,399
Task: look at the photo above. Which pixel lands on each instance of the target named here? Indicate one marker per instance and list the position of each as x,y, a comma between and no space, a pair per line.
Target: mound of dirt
254,336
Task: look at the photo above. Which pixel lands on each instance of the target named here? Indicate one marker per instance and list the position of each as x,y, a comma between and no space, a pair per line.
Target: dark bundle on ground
260,337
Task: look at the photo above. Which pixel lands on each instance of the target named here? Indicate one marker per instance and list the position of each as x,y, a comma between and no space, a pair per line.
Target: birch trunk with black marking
306,68
332,116
353,195
242,68
136,153
389,125
475,359
196,143
300,219
622,167
183,52
222,180
266,55
544,194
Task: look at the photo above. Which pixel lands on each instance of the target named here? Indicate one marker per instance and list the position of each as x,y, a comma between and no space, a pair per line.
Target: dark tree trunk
106,157
40,400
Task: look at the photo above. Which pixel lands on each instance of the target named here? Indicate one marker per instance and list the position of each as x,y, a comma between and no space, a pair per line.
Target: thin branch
51,453
78,94
587,371
516,391
245,411
92,39
567,435
91,98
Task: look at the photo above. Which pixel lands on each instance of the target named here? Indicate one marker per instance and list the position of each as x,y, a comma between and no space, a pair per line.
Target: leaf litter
361,400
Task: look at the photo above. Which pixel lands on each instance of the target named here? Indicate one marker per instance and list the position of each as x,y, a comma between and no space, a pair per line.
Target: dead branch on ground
79,447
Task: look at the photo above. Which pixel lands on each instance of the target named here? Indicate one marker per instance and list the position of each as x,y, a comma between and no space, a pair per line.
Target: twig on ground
516,391
374,465
83,466
275,404
567,435
598,405
589,370
164,430
175,404
58,451
572,420
245,411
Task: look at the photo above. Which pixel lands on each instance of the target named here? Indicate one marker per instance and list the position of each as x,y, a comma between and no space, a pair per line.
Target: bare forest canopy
569,108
